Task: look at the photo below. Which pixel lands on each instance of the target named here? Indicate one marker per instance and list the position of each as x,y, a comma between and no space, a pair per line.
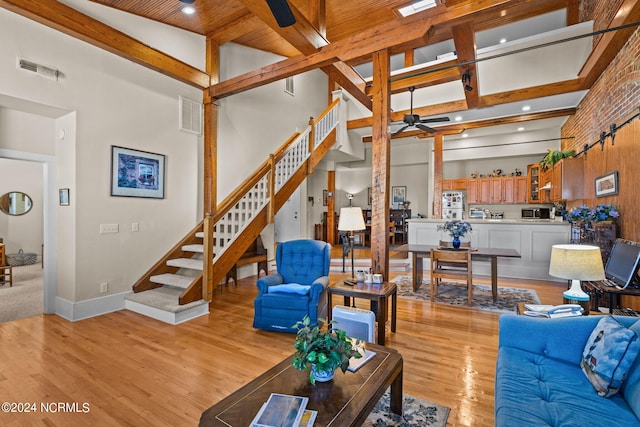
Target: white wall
116,102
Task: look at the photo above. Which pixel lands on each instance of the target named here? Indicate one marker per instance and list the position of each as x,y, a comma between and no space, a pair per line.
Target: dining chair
448,264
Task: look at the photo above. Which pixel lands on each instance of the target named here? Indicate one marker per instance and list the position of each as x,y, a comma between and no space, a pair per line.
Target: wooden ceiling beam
390,34
456,129
67,20
610,43
305,38
464,40
516,95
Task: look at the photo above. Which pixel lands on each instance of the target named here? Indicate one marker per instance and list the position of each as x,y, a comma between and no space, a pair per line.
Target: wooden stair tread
164,298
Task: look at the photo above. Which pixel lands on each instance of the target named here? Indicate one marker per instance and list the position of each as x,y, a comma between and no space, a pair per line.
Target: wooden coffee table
377,293
346,400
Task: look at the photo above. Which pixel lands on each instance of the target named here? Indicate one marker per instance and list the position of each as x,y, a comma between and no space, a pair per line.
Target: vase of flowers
456,230
322,349
604,212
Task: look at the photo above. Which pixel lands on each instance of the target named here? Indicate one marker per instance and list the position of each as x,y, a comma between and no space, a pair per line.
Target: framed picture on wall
398,195
369,196
607,185
325,198
136,173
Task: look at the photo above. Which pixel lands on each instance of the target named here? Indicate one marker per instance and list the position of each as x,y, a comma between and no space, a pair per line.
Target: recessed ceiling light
520,129
526,108
458,118
465,135
503,40
188,10
416,7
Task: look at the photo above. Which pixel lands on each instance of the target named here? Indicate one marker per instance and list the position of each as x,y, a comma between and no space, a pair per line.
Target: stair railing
241,216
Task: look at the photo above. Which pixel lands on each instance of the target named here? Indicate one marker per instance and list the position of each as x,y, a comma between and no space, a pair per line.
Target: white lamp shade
351,219
576,262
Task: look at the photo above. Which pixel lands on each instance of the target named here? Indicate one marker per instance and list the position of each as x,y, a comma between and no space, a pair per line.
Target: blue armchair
298,289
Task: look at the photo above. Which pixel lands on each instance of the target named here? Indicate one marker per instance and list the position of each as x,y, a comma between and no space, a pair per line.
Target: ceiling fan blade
435,120
281,12
399,131
425,128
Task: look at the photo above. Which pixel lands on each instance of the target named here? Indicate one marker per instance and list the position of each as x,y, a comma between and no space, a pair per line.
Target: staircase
179,286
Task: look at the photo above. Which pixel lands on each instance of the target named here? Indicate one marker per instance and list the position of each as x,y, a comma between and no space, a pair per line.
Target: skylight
416,7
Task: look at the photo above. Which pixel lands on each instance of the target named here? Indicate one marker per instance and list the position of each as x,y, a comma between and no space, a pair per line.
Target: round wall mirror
15,203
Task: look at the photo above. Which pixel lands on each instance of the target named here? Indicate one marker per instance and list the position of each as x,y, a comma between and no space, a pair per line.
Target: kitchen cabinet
567,179
495,190
454,184
473,196
484,190
508,189
520,189
536,176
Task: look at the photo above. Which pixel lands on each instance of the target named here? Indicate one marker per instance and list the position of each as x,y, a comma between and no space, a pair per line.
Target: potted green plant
554,156
322,349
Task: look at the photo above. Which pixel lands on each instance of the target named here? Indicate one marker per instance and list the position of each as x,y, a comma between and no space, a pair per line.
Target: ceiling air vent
41,70
190,116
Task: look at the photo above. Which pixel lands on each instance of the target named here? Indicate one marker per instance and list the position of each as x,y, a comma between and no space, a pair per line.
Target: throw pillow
608,355
290,288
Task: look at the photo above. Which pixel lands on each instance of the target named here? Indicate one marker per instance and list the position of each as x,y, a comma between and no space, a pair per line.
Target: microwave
536,213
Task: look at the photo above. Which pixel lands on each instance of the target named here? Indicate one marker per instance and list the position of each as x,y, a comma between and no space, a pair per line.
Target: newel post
207,271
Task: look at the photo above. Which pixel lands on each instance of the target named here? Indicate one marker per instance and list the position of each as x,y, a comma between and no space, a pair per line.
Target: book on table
553,311
282,410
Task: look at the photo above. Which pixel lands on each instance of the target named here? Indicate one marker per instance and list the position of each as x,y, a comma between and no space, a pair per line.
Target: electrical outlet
135,227
104,287
109,228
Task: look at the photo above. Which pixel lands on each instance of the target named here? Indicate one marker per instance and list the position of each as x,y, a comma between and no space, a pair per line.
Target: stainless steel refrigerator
452,204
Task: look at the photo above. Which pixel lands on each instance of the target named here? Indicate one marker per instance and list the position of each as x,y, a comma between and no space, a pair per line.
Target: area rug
24,298
415,413
456,295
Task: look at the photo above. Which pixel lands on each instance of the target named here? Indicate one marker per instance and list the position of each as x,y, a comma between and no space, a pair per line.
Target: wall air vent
41,70
190,116
288,86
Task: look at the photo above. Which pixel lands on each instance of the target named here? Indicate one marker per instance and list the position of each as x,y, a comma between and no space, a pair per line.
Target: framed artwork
398,195
325,198
64,196
607,185
136,173
369,196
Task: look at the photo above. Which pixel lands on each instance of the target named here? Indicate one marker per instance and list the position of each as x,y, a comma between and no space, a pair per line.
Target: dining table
419,252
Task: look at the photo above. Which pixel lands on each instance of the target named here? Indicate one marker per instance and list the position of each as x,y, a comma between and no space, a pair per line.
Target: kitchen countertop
496,221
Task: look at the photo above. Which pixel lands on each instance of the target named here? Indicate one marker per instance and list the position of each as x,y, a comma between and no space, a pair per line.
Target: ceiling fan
414,120
281,12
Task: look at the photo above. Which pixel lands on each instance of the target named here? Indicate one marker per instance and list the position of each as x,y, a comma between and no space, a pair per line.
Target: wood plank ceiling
335,36
351,31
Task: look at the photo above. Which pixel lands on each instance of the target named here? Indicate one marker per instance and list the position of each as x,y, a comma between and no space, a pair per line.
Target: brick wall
614,96
599,11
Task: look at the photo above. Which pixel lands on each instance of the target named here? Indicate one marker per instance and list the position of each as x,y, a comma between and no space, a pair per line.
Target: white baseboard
74,311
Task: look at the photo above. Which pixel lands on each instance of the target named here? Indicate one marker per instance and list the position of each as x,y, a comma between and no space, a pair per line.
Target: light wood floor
135,371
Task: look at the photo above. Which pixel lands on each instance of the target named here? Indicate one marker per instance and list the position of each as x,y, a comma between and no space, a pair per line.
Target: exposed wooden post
380,164
331,207
437,175
210,196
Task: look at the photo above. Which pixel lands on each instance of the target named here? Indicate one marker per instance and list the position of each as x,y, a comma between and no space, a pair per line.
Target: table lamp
576,263
351,220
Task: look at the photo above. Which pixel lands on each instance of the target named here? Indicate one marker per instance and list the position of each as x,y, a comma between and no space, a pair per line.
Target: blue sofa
298,289
539,381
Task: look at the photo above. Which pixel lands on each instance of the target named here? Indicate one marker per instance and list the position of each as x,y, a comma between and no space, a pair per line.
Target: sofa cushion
608,354
631,385
290,288
535,390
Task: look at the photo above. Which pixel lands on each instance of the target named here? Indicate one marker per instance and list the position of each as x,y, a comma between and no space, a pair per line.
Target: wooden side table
378,294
